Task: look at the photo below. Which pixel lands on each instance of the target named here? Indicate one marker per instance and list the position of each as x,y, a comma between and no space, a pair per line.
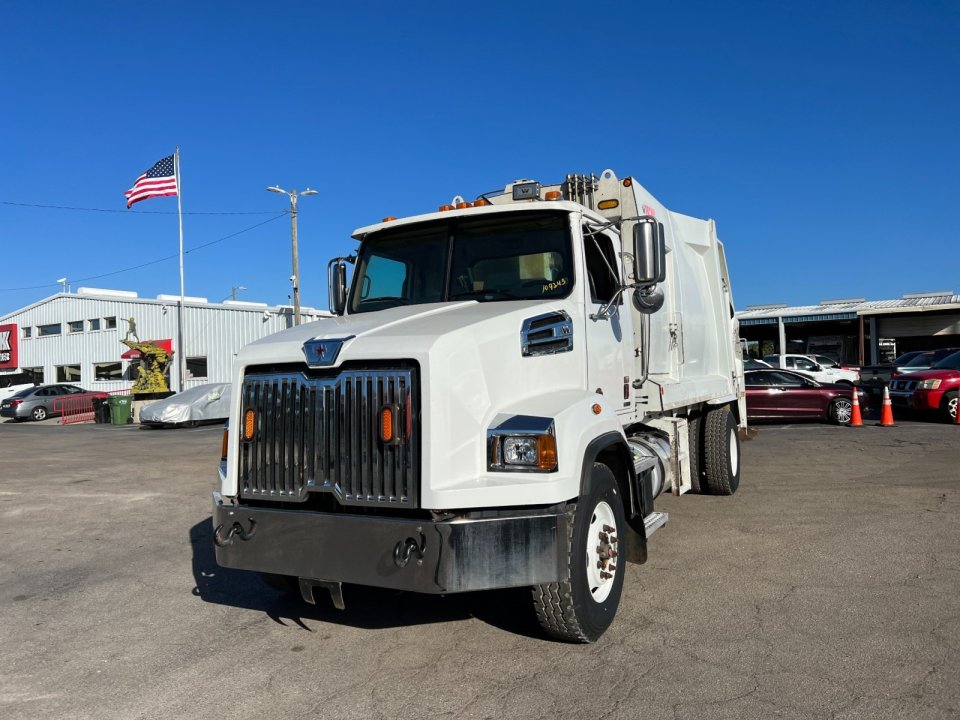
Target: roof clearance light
388,218
445,208
627,182
462,205
481,202
553,195
608,204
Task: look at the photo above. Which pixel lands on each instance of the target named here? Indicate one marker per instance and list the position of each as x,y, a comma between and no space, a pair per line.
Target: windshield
923,360
950,362
519,257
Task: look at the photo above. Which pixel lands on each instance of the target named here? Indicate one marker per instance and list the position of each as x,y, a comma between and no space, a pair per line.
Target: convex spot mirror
649,252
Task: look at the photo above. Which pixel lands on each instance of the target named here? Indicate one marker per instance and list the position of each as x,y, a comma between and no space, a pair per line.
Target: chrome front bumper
510,549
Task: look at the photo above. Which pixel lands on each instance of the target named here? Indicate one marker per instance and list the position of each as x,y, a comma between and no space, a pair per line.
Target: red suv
933,389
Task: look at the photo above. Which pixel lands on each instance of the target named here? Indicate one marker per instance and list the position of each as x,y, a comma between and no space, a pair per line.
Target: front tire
721,452
582,606
949,405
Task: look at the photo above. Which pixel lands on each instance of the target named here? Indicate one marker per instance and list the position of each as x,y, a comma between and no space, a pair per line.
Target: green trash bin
120,406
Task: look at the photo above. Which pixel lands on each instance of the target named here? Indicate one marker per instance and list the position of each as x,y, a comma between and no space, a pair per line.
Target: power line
128,212
151,262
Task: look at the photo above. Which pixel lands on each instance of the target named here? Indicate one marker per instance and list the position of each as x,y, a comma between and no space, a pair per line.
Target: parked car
209,402
784,395
12,383
874,377
808,366
42,401
925,361
934,389
754,364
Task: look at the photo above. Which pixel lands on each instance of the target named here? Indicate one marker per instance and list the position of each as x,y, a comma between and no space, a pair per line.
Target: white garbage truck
505,388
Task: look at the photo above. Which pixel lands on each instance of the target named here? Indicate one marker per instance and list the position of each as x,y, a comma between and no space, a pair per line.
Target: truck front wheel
581,607
721,452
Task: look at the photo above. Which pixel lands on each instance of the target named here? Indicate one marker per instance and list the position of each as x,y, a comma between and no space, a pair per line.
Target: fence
79,408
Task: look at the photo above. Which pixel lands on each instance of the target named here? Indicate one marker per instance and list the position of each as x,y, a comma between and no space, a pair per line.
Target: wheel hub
602,552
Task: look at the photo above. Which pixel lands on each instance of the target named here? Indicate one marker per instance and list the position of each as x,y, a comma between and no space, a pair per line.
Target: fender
612,450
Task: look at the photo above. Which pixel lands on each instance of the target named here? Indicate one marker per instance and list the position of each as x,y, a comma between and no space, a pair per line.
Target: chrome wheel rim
843,411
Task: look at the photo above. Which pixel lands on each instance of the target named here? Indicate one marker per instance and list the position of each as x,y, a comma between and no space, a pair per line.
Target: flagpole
182,364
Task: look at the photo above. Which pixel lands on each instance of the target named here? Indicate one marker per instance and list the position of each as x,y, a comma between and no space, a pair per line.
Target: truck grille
904,385
320,434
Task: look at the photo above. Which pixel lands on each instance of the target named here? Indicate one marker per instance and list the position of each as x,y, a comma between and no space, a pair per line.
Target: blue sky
822,136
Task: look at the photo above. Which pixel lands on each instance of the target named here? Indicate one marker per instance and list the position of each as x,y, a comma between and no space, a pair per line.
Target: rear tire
841,411
39,413
721,452
582,606
695,447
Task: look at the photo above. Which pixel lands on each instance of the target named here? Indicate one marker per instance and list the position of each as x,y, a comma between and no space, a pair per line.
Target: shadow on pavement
370,608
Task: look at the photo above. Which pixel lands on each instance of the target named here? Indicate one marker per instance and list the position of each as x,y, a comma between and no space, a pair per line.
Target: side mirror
337,285
649,252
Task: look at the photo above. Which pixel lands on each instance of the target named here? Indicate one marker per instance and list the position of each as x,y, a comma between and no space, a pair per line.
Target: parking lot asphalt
828,587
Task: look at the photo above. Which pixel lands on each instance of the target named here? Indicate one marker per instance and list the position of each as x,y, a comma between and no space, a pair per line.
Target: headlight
519,453
522,444
929,384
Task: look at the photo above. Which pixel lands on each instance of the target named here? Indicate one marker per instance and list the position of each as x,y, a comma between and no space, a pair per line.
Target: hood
931,373
402,332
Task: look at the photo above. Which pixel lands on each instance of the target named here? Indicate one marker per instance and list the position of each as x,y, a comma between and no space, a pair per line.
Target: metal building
855,330
75,337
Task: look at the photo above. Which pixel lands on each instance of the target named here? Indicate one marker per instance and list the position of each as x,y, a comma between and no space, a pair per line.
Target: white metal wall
214,331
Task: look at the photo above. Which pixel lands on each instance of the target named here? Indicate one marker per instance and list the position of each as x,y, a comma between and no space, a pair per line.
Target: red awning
135,354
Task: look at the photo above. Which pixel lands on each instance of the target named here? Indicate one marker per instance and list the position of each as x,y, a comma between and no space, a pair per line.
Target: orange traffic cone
886,414
855,419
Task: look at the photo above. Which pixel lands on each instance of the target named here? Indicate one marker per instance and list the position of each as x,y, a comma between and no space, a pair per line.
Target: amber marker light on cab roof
552,195
445,208
481,202
388,218
463,205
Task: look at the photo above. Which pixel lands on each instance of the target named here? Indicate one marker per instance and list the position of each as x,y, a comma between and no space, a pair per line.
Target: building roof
850,308
124,296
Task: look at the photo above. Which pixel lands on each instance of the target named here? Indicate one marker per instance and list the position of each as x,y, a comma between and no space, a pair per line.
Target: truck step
653,521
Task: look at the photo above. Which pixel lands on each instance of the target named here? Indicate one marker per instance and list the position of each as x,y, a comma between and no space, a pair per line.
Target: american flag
158,181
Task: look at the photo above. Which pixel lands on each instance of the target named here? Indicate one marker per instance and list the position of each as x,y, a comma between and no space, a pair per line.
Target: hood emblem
321,353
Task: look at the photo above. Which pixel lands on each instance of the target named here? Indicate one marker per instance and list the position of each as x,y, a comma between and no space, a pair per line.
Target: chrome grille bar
321,434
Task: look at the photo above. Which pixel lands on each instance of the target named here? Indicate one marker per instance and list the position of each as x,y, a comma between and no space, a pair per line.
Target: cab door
607,342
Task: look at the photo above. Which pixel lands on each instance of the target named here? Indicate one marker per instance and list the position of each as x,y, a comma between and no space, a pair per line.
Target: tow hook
236,530
403,551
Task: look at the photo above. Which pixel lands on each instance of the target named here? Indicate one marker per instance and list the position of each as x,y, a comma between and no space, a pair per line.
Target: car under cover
209,402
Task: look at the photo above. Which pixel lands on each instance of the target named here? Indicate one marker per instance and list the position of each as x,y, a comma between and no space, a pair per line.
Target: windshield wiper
385,298
492,292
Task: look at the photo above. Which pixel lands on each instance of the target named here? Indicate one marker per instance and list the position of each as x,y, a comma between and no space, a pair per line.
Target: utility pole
295,278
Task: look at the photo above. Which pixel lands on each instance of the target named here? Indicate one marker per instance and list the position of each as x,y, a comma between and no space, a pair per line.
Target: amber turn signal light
225,443
389,424
249,424
607,204
547,452
552,195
